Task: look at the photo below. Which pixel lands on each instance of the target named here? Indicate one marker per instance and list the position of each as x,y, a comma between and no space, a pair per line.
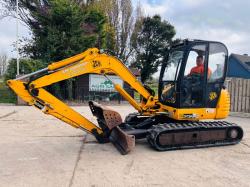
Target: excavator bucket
109,121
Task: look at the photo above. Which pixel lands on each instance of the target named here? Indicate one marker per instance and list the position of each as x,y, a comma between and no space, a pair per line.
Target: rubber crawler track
174,133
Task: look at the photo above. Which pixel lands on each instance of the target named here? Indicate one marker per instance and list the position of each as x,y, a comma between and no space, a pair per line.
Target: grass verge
6,95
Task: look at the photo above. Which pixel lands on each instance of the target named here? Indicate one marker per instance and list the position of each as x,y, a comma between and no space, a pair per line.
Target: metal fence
239,90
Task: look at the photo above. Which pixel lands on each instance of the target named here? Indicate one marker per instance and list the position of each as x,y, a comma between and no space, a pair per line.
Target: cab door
217,65
193,83
169,78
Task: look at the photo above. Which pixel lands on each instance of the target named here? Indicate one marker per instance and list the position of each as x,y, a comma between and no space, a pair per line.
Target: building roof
244,60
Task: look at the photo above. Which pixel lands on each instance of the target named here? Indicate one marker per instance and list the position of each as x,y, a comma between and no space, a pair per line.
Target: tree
60,29
26,66
150,43
121,17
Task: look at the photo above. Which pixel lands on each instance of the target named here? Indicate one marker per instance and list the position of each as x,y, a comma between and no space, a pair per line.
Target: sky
225,21
8,35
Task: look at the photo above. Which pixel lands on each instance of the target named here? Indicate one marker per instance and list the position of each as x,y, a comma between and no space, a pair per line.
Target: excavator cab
184,83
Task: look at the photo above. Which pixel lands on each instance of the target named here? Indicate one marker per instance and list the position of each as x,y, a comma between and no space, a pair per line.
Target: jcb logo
96,64
212,96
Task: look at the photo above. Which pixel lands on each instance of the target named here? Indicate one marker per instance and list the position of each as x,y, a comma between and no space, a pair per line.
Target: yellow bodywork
92,61
220,112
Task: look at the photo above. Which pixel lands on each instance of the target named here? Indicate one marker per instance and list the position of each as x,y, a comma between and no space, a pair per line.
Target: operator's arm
209,73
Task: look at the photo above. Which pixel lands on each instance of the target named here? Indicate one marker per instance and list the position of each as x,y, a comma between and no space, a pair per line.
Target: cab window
173,67
168,93
196,51
193,81
216,62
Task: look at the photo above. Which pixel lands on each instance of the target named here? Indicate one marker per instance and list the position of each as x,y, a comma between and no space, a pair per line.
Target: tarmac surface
39,150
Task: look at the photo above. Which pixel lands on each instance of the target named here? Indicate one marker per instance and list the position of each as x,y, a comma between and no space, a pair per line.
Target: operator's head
199,60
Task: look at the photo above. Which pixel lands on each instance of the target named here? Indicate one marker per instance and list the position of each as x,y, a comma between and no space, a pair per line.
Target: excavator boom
90,61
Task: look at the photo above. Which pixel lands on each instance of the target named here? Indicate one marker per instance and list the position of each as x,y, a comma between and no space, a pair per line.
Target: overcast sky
226,21
8,35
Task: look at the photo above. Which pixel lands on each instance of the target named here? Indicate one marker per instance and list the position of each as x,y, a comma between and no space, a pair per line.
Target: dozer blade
122,141
109,120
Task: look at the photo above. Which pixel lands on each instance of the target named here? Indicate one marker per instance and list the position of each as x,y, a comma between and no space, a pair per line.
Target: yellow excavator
176,118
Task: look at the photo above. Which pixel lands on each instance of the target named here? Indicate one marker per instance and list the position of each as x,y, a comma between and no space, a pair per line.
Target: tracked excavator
183,114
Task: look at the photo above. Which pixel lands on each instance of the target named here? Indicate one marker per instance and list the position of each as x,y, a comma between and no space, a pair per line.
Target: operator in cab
199,68
197,74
